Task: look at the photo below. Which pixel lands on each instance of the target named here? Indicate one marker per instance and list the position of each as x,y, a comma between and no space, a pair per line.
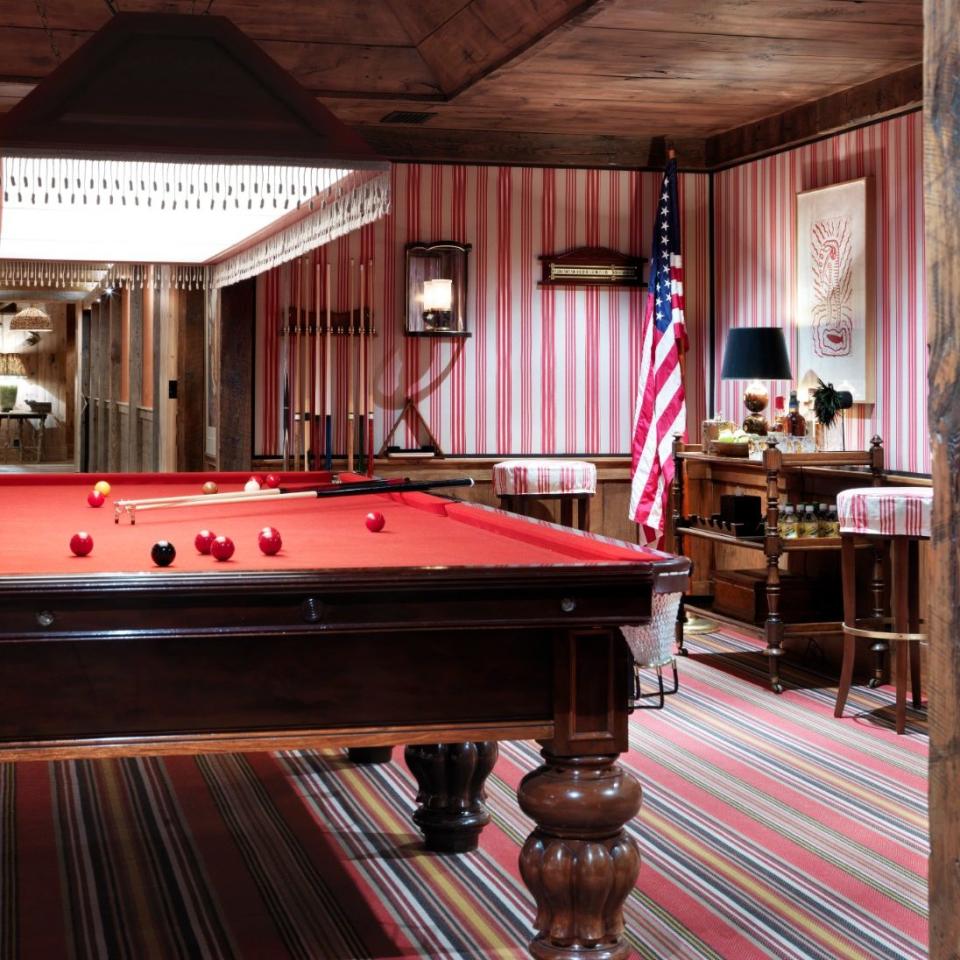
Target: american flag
661,411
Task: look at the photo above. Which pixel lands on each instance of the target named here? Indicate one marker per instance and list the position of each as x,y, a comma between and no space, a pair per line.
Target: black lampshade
755,353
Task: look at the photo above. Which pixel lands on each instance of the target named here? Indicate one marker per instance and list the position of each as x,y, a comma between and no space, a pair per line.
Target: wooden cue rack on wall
308,328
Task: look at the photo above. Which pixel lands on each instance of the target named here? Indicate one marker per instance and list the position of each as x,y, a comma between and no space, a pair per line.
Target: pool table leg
450,796
579,863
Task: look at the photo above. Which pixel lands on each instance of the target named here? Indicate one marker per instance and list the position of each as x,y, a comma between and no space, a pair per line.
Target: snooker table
455,627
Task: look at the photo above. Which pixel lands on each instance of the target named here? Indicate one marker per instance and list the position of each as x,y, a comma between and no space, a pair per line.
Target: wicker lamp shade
11,365
31,318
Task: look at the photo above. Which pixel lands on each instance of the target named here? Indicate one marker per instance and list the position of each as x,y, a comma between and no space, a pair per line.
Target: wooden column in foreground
942,212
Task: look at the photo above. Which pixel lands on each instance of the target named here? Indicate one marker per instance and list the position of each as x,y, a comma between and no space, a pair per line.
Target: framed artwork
834,270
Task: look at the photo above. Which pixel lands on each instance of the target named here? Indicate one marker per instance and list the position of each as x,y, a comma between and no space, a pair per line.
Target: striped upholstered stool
517,482
897,518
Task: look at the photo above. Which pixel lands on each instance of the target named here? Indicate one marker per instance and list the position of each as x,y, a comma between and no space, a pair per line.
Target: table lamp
756,354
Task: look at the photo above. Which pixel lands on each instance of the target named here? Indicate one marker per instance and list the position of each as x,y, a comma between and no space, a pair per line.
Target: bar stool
517,482
896,518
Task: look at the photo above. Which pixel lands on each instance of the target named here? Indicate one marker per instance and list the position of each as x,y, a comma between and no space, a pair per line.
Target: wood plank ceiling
551,81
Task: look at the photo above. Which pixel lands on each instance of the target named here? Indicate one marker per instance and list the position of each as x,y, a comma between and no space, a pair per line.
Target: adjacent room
478,479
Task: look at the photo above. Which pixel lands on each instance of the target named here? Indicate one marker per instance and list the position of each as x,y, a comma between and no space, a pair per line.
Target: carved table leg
774,625
579,863
878,590
450,779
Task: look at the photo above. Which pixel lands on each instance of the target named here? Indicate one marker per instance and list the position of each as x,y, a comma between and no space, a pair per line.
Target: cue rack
317,344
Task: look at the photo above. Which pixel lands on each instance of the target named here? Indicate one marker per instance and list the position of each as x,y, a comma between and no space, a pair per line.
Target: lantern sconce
437,289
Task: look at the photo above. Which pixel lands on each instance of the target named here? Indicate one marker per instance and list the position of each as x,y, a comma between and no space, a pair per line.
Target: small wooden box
742,594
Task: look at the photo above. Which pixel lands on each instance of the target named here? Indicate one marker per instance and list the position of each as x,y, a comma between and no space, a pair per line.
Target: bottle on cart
810,526
833,522
787,524
823,520
780,415
796,426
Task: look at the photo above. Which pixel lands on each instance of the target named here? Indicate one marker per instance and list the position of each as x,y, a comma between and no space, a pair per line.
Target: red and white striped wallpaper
545,371
755,220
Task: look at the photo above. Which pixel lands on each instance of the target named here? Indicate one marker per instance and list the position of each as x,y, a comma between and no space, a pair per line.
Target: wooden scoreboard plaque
592,267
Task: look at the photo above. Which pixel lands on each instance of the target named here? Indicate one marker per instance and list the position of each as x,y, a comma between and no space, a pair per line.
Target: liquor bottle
787,524
809,526
796,426
823,521
833,522
780,415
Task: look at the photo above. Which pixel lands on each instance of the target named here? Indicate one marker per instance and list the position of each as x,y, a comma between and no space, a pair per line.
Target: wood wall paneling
190,381
135,368
114,305
942,193
235,363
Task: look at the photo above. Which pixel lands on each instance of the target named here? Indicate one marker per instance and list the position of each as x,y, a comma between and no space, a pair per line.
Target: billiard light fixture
755,354
31,318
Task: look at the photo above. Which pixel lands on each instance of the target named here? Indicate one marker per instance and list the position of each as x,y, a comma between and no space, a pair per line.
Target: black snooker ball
163,553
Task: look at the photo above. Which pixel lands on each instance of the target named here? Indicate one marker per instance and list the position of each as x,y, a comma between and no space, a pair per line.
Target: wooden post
941,57
363,365
327,385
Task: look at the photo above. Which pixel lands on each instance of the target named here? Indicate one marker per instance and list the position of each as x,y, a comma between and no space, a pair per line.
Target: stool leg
848,572
566,511
901,623
583,512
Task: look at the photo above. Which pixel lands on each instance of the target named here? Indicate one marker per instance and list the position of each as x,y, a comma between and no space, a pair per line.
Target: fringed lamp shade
163,168
11,365
31,318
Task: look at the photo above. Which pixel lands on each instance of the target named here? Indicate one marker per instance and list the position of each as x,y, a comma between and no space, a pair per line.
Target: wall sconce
437,289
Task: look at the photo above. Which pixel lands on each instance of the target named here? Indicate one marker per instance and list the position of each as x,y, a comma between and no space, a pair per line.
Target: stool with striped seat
517,482
897,518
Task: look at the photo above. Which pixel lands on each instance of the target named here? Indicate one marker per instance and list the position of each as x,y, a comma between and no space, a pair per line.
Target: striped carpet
768,829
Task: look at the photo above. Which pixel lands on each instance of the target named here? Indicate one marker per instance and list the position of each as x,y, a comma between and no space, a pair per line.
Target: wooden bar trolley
787,596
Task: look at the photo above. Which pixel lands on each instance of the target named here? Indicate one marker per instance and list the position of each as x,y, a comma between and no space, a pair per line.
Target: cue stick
285,375
370,379
315,426
328,405
320,493
363,370
350,413
297,378
305,406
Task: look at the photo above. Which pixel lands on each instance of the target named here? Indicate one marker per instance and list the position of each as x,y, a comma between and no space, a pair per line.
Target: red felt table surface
39,513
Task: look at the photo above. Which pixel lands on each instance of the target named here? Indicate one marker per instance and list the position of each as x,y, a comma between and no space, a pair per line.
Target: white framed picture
834,271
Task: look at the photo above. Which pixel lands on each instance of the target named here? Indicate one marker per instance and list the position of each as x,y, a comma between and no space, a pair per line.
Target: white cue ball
251,486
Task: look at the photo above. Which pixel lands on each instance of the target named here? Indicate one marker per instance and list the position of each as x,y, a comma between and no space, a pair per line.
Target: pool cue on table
363,369
328,405
355,489
350,412
370,377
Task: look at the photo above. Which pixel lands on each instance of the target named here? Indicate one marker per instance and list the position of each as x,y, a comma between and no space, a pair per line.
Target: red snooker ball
271,480
222,548
269,540
375,521
95,498
203,540
81,543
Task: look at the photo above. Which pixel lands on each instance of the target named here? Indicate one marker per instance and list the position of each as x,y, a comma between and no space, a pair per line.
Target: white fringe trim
363,204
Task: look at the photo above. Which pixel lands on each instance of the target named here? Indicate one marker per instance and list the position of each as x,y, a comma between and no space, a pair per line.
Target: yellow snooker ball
210,487
102,486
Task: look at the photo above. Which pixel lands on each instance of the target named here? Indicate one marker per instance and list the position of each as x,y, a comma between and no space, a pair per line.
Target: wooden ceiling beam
424,144
886,96
485,36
